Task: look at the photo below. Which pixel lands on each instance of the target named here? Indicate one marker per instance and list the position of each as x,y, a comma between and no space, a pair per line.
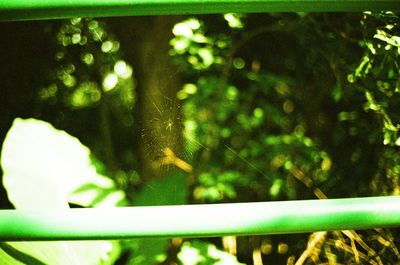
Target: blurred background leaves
222,108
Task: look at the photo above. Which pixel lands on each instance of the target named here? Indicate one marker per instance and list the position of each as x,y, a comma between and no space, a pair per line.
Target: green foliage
89,67
248,105
274,107
201,52
378,76
198,252
281,118
76,181
92,79
58,253
45,168
10,255
171,190
379,72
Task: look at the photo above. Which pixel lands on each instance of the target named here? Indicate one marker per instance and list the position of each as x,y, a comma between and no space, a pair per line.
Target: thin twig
316,239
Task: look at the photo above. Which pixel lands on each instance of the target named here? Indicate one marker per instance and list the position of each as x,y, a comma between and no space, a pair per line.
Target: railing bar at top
11,10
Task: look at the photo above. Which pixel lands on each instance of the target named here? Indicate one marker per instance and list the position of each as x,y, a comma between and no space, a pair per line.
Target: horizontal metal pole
200,220
52,9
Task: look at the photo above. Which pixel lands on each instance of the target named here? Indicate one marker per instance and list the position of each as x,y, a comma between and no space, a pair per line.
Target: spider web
162,135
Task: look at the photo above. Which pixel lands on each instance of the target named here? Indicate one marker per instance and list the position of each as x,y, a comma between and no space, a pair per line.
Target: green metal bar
201,220
52,9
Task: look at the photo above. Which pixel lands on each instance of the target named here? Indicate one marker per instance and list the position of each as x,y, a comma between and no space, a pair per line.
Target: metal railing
51,9
201,220
193,220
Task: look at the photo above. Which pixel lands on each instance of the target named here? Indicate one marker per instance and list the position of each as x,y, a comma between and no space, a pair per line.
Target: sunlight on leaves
198,252
234,20
49,164
42,166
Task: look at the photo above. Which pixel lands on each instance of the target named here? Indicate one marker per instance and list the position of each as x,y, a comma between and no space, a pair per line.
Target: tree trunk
146,43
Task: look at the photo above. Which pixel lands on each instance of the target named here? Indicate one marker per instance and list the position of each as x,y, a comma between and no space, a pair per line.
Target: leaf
10,255
49,164
42,167
147,251
170,190
54,252
198,252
